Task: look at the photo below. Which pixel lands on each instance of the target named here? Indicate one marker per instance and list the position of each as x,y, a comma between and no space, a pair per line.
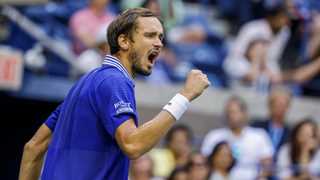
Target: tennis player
94,133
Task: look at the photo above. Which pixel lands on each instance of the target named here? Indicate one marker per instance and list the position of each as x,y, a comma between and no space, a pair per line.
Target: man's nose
158,43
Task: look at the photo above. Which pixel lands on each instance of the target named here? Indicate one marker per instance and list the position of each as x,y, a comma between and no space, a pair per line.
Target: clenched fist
195,84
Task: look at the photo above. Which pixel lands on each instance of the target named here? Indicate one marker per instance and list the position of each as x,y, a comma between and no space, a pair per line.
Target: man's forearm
140,140
33,153
150,133
303,73
135,141
30,169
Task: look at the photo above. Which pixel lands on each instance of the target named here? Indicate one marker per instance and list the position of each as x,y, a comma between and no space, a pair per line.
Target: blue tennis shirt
83,145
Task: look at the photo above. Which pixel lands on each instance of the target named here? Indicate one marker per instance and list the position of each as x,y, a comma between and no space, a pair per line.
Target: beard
137,65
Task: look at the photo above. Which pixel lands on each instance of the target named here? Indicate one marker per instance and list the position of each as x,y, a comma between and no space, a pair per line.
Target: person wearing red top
86,23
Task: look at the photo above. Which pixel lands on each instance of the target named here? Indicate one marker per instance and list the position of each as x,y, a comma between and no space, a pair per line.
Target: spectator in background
142,168
179,173
172,11
254,55
275,125
86,23
197,167
153,5
300,58
178,147
221,162
93,57
251,147
300,158
314,44
254,60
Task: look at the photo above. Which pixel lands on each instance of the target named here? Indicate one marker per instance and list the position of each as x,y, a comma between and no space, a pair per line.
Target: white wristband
177,106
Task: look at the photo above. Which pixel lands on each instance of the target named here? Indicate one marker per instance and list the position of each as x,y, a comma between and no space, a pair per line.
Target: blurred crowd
252,44
267,46
244,149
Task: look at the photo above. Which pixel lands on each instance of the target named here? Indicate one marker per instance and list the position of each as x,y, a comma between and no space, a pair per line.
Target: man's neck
236,131
277,123
273,30
124,60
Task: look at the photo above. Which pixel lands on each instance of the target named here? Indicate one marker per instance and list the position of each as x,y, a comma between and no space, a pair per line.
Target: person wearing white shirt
253,61
256,51
300,158
251,147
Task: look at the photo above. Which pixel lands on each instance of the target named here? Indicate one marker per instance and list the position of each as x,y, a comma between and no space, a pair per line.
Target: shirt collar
115,62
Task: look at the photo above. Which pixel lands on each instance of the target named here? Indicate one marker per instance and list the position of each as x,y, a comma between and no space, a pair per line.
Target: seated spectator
251,147
254,55
314,42
275,124
312,53
93,57
86,23
221,162
300,158
178,147
142,168
179,173
300,58
197,167
254,60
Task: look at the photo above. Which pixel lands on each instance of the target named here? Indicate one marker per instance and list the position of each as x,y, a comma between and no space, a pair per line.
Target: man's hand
195,84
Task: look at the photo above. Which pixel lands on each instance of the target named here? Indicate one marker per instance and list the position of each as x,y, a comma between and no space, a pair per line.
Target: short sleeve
53,118
116,102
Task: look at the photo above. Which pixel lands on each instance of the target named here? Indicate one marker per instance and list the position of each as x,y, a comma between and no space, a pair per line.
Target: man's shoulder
256,28
111,75
217,133
256,133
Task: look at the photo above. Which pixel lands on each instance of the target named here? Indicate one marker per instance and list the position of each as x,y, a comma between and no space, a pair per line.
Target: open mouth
152,56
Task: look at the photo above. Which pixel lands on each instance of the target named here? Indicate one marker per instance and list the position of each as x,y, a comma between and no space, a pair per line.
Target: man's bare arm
303,73
33,153
135,141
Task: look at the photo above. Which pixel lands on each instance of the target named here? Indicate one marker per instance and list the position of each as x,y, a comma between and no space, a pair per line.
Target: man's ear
123,42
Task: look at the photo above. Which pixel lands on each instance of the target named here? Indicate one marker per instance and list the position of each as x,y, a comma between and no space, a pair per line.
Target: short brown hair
125,23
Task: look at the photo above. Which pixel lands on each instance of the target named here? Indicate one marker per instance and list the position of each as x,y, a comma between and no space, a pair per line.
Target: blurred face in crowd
199,169
142,167
180,175
179,143
307,136
236,115
222,160
279,102
278,21
146,44
154,6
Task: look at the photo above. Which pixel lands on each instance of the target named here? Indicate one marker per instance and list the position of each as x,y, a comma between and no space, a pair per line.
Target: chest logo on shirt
123,107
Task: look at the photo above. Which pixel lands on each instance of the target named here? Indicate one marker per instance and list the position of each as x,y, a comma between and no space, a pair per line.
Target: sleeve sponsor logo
123,107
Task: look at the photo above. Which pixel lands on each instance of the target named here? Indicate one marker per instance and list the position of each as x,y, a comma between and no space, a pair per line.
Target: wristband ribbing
177,106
